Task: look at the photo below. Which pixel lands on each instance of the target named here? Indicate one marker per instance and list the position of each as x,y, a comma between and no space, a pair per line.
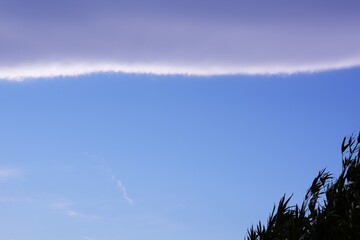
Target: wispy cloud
122,188
119,184
68,210
12,200
87,238
9,173
64,208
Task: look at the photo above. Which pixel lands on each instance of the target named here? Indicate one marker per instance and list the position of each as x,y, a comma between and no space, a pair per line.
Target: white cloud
9,173
100,165
65,208
11,200
59,205
72,213
122,187
68,210
22,73
87,238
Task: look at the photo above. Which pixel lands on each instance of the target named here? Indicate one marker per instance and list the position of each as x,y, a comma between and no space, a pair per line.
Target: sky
168,120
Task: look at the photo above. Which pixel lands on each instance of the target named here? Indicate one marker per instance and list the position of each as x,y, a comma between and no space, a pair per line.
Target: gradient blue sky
198,158
241,102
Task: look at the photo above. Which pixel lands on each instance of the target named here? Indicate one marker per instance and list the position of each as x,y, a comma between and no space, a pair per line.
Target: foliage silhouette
330,210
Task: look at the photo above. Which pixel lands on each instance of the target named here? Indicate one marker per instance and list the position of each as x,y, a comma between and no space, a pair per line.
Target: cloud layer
45,39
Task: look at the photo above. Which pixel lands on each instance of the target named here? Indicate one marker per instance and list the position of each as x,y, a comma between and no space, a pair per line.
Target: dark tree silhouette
330,210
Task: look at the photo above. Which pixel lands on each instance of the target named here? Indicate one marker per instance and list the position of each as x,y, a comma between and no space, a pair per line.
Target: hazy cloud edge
52,70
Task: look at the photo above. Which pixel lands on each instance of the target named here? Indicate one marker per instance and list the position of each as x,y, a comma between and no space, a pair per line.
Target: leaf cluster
330,210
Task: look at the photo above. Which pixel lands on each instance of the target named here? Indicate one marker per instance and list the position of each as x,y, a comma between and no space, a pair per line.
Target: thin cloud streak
67,210
109,172
87,238
122,187
28,72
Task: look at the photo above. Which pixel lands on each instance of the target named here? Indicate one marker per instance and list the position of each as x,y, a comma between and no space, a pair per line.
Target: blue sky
168,120
117,156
